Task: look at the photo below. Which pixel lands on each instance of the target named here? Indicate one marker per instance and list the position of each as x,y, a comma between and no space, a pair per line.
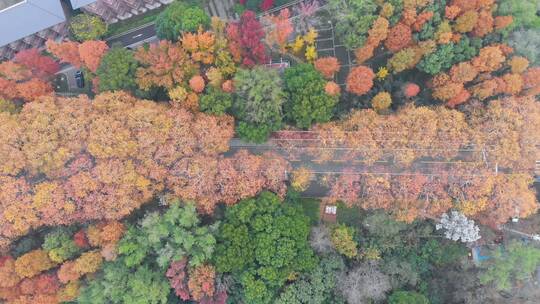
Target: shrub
87,27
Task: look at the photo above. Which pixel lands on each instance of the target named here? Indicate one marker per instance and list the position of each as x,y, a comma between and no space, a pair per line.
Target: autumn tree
333,89
345,187
484,24
360,80
197,84
327,66
8,273
280,29
163,65
32,89
301,179
18,82
201,282
91,52
342,240
67,52
381,101
466,22
403,60
33,263
399,36
88,262
377,34
40,289
200,46
518,64
463,72
177,275
411,90
42,66
245,40
89,167
514,118
489,59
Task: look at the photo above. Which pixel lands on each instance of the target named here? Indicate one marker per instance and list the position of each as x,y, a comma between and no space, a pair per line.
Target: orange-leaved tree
165,64
360,80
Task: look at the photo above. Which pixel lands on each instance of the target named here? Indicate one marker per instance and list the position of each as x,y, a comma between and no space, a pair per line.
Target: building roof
80,3
29,17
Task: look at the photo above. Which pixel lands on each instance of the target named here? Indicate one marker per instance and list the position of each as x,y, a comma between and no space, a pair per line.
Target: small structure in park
329,213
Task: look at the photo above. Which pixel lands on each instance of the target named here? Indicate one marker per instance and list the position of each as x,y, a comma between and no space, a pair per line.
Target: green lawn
349,216
311,209
128,24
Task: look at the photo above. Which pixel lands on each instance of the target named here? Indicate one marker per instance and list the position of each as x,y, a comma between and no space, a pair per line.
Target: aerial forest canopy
67,160
314,151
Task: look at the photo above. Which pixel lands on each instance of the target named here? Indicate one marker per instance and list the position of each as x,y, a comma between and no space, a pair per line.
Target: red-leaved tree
246,38
42,66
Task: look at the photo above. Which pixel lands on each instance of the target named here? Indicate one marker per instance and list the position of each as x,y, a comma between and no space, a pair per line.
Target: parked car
79,78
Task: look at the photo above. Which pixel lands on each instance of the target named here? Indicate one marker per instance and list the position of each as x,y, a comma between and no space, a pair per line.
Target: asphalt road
135,36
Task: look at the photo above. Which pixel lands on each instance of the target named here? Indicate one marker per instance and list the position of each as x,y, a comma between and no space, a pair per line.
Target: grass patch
311,209
350,216
133,22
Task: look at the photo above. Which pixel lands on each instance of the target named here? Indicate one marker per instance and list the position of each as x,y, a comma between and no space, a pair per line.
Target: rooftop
7,3
19,19
80,3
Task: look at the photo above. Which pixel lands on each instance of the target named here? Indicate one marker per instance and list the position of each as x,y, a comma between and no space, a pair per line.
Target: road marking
136,36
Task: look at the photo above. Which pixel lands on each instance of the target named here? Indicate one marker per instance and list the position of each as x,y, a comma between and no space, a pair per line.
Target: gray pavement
134,36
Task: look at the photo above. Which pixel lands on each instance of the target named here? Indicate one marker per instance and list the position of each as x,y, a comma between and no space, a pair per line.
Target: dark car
79,78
